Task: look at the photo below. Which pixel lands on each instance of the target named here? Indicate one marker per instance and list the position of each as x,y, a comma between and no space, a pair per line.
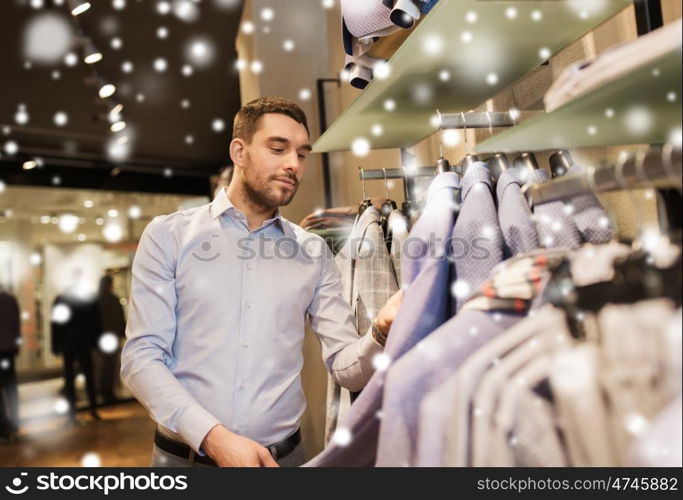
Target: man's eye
302,157
276,150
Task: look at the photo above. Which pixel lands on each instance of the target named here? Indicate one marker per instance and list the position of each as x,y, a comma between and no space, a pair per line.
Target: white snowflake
288,45
108,342
91,459
360,146
342,437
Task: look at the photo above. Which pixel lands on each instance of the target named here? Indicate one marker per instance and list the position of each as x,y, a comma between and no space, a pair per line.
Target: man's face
274,162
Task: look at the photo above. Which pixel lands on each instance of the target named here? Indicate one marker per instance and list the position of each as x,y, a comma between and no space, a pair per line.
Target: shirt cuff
193,426
368,347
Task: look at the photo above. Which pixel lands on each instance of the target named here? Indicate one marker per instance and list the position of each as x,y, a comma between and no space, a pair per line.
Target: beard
260,190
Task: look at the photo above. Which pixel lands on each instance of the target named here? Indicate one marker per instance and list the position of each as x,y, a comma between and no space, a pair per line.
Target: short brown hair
247,118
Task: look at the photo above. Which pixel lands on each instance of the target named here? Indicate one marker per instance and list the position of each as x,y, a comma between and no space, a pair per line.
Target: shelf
634,109
482,48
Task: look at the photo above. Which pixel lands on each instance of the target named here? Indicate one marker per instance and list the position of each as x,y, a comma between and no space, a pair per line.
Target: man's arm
347,357
150,333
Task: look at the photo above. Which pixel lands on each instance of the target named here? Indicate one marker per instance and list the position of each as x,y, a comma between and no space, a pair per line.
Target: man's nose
292,163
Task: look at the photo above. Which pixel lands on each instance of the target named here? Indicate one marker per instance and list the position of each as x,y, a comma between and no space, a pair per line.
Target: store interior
81,175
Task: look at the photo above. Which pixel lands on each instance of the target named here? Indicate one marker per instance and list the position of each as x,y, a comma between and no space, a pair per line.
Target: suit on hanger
514,215
368,281
397,226
425,306
589,216
554,224
477,240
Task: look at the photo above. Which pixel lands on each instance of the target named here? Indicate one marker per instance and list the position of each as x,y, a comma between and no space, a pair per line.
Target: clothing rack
652,168
396,173
476,120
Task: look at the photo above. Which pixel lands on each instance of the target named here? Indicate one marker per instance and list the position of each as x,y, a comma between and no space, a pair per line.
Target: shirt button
245,344
241,386
247,305
249,267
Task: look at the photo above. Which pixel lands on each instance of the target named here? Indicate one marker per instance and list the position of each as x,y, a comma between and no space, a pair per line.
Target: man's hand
230,450
386,315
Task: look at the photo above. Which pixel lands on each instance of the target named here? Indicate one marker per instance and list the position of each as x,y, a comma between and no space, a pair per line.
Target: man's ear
237,151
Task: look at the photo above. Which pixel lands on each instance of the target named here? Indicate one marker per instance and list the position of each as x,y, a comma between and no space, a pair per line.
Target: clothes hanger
387,208
560,163
635,276
442,164
366,203
407,205
469,159
499,162
526,160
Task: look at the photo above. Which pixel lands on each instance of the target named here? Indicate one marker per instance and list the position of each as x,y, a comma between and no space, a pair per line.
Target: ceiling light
107,90
118,126
116,110
30,164
78,7
92,55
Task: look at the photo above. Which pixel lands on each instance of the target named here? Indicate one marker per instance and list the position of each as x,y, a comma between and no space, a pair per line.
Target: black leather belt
277,450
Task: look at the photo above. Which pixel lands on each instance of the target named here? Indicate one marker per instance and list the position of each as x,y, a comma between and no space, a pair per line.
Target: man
219,299
113,322
10,335
74,335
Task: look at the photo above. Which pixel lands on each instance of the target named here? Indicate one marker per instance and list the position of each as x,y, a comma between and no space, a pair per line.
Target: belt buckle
273,451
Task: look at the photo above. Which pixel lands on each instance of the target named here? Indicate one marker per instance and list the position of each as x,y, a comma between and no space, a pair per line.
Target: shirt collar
221,204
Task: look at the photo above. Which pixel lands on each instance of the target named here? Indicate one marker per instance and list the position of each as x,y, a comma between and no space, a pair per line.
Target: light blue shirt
217,318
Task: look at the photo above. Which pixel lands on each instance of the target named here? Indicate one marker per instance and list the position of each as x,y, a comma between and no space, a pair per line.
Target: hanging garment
465,383
589,216
425,307
512,286
368,281
446,412
397,226
603,392
660,444
514,216
632,366
495,385
525,396
477,242
554,224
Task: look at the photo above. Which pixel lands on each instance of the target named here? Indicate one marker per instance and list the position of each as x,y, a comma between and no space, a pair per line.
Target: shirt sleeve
347,356
147,355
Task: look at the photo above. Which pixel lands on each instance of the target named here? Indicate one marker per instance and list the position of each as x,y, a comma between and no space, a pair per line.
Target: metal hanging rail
652,168
492,119
397,173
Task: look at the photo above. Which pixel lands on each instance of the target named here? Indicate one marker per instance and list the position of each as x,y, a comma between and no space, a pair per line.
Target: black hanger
560,162
407,205
442,166
635,278
387,207
498,164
